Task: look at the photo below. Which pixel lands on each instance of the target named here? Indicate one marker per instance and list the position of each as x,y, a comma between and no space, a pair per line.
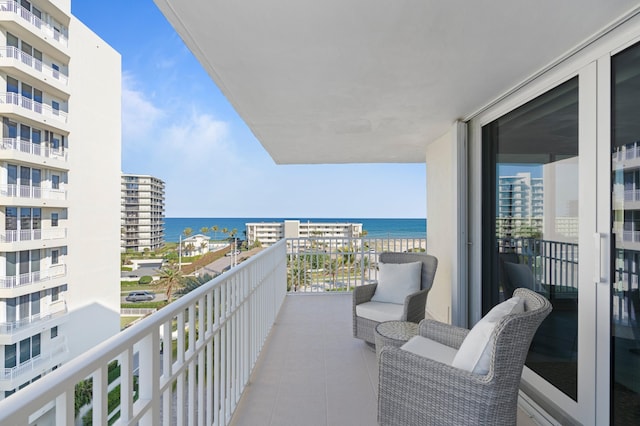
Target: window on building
55,181
55,106
11,218
25,350
55,294
55,254
56,71
54,220
10,359
54,332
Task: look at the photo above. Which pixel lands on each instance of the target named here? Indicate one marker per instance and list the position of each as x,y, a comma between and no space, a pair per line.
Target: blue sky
176,125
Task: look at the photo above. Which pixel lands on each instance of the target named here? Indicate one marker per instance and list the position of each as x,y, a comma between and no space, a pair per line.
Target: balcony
12,56
33,234
14,103
10,331
32,192
35,24
306,366
10,378
11,286
30,148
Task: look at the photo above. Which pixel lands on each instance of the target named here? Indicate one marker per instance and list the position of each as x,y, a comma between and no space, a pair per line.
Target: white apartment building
520,204
60,90
142,217
269,233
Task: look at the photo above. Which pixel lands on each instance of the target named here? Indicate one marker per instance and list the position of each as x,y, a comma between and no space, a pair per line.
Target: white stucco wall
94,190
441,223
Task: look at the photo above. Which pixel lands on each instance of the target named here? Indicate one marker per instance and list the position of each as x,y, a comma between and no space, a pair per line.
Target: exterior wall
94,181
441,223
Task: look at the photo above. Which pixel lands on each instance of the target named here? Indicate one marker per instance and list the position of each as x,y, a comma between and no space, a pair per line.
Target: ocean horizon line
375,227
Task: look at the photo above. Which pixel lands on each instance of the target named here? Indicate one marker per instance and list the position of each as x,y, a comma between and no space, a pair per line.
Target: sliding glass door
531,222
625,224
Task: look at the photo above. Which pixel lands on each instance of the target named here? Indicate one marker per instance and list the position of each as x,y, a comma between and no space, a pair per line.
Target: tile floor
312,371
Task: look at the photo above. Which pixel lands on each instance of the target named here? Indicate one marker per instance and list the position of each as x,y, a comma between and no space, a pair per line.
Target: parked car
140,296
231,253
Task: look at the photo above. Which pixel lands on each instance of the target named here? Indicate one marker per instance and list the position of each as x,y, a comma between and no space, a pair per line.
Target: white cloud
139,115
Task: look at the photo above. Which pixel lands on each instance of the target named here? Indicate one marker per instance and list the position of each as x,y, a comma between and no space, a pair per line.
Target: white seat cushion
396,281
477,348
430,349
380,312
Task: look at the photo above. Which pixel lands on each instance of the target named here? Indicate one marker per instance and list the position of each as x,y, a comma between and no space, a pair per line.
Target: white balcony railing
33,148
33,234
32,105
56,309
45,29
55,271
30,61
28,191
58,348
322,264
219,330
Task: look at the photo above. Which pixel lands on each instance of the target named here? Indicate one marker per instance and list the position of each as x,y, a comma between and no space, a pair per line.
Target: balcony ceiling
367,81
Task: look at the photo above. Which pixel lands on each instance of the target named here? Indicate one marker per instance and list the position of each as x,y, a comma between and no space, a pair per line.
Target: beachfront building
142,215
268,233
59,191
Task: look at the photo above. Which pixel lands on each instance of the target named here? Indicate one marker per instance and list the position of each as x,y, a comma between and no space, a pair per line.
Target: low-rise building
268,233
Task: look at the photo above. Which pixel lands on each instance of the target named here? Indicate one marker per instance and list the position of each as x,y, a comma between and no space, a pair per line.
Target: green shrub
126,268
146,279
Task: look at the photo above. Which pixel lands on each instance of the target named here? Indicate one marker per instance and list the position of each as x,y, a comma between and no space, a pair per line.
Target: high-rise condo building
142,213
60,96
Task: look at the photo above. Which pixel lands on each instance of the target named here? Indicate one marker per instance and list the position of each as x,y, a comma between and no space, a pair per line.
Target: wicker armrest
415,305
446,334
363,293
414,390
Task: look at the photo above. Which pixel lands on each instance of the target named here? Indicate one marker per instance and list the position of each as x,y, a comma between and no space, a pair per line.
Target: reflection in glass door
530,222
625,308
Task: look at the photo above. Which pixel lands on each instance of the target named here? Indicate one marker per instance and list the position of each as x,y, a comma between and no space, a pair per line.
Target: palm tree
170,278
203,245
187,232
214,229
225,231
204,230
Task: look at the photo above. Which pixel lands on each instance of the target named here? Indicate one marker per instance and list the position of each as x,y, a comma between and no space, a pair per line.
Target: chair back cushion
475,353
396,281
429,264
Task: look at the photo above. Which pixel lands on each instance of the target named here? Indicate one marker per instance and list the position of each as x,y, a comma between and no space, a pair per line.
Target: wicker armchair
414,305
414,390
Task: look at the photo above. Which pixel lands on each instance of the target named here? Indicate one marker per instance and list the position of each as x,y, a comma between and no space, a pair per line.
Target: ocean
376,228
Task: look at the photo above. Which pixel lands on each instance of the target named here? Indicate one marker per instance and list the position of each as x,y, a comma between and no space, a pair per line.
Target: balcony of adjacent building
48,277
24,16
37,363
36,109
30,195
294,348
29,68
54,314
25,239
39,153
